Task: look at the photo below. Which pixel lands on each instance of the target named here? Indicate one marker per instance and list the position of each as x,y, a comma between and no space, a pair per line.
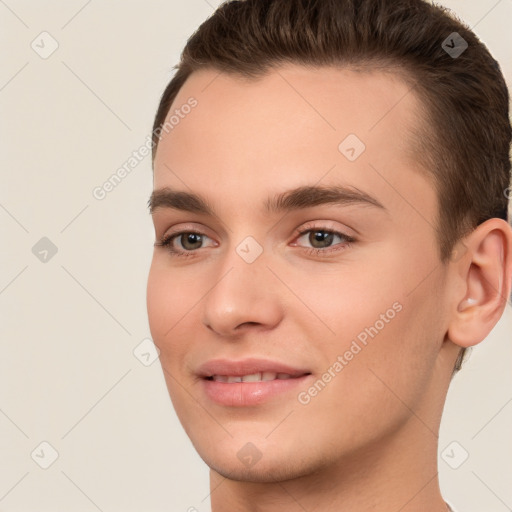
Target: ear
484,281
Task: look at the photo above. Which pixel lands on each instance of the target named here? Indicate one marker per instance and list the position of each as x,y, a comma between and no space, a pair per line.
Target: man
330,211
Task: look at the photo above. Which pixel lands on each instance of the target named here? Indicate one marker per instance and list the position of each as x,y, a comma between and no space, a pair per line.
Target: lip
246,367
244,394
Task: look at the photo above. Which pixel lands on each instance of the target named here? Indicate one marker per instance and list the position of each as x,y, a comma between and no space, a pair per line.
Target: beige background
69,326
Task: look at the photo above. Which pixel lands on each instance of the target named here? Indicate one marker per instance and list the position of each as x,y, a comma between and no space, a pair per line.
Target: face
297,298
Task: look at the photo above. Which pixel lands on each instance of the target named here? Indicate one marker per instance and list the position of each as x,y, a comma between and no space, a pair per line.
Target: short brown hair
463,141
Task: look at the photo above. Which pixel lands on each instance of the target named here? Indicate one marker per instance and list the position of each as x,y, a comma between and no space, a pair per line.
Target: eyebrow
294,199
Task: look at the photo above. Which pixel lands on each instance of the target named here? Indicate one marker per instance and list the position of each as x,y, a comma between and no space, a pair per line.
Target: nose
243,297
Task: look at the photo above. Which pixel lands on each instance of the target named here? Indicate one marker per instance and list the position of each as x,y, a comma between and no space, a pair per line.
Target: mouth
248,370
253,377
250,382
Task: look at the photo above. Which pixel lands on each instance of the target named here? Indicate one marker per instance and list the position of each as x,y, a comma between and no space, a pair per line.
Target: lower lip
243,394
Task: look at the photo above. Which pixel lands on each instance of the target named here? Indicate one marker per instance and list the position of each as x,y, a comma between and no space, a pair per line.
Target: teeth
253,377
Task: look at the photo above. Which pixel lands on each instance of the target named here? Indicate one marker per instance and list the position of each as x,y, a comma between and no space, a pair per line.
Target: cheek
342,301
377,383
158,299
171,296
167,302
370,318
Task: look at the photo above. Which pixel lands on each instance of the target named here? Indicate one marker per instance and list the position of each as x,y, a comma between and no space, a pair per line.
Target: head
359,121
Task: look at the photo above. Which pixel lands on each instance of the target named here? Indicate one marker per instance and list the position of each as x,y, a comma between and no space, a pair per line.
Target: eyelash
166,241
313,251
310,251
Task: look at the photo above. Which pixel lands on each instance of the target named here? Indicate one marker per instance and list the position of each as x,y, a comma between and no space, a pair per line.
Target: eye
189,241
317,240
321,240
184,243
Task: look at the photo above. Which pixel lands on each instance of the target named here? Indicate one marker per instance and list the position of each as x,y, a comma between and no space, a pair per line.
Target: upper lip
238,368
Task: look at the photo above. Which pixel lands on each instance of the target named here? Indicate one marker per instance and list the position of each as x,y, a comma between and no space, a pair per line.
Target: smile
250,382
253,377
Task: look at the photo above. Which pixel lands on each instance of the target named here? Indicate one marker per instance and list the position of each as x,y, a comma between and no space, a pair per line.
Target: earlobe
486,271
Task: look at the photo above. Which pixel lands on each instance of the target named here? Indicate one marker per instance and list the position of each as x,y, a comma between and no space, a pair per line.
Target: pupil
191,240
317,238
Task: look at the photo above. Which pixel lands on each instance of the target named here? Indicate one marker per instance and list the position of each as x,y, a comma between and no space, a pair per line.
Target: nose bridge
241,293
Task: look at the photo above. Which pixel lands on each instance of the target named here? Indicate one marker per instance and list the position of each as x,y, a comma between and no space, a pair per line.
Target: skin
368,440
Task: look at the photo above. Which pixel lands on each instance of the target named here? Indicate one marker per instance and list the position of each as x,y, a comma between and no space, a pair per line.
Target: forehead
294,124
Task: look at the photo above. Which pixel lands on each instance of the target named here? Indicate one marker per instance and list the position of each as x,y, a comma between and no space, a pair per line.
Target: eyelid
165,220
168,238
324,225
184,227
166,241
324,252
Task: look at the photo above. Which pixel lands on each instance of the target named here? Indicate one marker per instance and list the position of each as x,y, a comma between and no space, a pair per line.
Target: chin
269,472
271,464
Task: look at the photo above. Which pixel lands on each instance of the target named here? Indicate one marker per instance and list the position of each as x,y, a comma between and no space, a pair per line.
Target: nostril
246,324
